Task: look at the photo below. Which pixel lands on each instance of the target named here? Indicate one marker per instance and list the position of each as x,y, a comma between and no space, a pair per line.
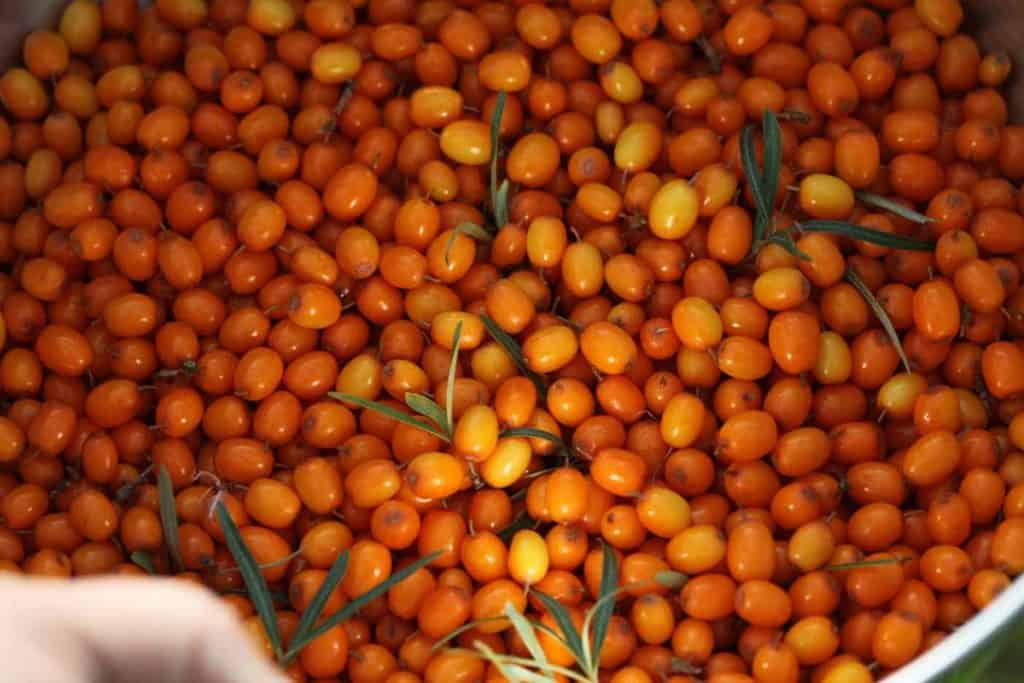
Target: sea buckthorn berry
826,196
941,16
682,421
673,210
466,141
507,462
697,323
748,30
780,289
936,311
608,348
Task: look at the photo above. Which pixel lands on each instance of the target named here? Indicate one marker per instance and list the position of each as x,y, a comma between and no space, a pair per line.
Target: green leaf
168,515
710,54
514,668
428,408
312,613
501,203
527,635
455,633
671,579
534,433
477,232
280,562
881,562
519,673
570,636
495,659
879,311
787,243
772,163
388,411
126,491
356,604
449,388
259,593
886,204
523,521
857,232
748,155
499,111
472,230
511,346
143,560
603,610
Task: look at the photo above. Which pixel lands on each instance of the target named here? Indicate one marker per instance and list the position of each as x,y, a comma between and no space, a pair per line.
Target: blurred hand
122,630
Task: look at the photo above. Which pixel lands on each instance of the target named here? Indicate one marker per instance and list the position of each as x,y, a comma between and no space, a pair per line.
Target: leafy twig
356,604
880,202
858,232
144,560
499,193
449,389
473,230
854,279
710,54
388,411
515,352
763,182
259,592
168,515
880,562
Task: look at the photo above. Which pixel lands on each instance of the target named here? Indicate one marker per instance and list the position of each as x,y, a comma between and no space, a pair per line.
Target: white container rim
956,649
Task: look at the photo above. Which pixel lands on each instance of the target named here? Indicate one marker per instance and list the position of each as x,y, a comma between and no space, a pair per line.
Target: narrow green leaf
570,635
606,599
356,604
534,433
472,230
388,411
528,635
259,593
748,155
468,626
710,54
879,311
882,562
499,111
505,663
603,611
144,560
168,515
511,346
428,408
886,204
501,203
267,565
477,232
787,243
857,232
448,247
449,387
772,135
312,613
671,579
495,659
523,521
521,674
509,667
126,491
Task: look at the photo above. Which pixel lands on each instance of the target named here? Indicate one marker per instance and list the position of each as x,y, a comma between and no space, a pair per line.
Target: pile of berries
466,341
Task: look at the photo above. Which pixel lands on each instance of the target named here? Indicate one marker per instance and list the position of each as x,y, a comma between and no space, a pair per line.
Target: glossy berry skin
489,301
